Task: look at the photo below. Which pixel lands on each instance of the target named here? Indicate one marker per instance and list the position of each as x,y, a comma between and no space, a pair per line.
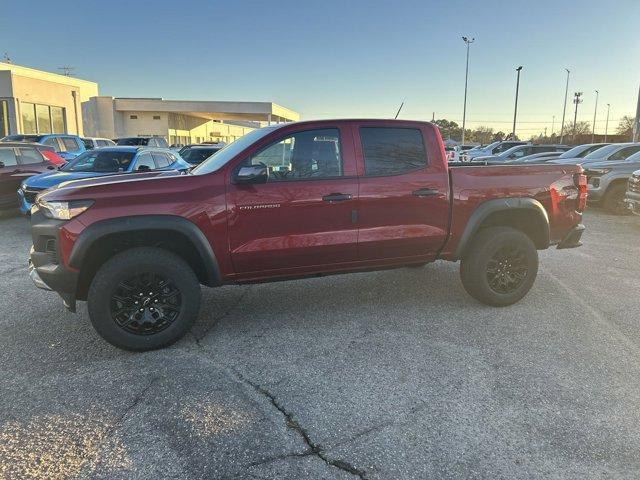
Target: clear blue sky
337,58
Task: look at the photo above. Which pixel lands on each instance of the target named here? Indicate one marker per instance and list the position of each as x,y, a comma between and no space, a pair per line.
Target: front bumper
633,202
45,269
572,239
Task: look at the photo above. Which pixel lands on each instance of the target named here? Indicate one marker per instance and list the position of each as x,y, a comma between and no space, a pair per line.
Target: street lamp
468,41
606,125
515,110
577,100
564,108
595,110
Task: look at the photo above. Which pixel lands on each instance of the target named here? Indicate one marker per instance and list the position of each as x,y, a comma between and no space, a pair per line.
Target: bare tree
625,127
581,128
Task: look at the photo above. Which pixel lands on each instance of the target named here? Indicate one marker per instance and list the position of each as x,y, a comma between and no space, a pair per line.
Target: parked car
143,141
460,150
90,142
574,152
196,154
633,193
66,146
494,148
520,151
613,152
356,195
608,182
100,162
18,161
536,158
450,152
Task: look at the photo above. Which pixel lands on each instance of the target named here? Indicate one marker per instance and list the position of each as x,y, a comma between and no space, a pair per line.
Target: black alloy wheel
507,269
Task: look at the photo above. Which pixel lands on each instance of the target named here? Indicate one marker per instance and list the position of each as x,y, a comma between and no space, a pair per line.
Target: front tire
500,266
143,299
613,201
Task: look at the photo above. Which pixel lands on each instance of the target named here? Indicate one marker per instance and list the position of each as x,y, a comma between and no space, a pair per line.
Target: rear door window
29,155
160,159
8,156
70,144
52,142
392,151
145,160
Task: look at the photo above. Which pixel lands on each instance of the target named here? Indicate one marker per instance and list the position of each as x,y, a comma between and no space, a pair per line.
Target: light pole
515,109
553,123
468,42
595,110
577,100
564,107
606,124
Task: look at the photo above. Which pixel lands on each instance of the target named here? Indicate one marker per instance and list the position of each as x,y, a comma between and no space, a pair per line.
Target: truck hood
610,165
114,179
53,178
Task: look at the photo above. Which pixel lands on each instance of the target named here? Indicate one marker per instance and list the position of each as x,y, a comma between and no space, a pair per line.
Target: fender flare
482,212
181,225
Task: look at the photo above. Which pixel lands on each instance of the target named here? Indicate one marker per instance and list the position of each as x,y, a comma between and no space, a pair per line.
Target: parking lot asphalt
388,375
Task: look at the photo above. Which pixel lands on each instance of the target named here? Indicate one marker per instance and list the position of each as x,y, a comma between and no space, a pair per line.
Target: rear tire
500,266
143,299
613,201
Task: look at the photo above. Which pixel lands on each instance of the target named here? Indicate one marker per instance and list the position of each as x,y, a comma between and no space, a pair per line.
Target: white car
494,148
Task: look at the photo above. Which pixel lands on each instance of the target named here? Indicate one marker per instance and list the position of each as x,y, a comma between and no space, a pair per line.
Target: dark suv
143,141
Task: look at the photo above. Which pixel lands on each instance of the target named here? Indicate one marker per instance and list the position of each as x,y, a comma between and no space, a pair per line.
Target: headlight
63,210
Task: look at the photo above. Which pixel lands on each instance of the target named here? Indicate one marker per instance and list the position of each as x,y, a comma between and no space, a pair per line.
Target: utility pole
636,126
468,42
606,124
564,107
595,110
553,122
515,109
577,100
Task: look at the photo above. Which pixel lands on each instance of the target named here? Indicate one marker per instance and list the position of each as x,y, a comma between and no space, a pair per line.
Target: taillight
580,181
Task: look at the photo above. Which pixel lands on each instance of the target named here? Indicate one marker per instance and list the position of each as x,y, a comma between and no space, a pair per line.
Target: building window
133,117
57,120
42,118
4,118
156,117
28,118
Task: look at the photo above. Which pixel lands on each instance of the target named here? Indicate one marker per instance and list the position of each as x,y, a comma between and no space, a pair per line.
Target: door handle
425,192
337,197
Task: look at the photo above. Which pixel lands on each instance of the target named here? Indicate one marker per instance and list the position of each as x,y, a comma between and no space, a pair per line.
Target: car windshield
100,161
222,156
509,151
575,152
196,156
491,146
603,152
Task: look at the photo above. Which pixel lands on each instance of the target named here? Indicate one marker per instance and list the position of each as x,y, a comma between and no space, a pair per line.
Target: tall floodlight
564,106
515,109
595,110
468,41
606,124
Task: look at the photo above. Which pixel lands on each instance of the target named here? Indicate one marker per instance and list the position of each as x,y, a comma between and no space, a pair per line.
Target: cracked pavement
384,375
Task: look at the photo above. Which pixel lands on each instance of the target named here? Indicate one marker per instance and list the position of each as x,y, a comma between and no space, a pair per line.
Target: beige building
179,121
33,101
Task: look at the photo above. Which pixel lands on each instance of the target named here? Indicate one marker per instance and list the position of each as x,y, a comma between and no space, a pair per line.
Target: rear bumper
572,239
45,270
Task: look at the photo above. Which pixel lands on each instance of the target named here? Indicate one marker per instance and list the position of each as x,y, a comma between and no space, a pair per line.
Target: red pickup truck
295,200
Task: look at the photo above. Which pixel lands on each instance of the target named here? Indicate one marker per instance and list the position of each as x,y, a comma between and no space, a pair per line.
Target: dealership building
34,101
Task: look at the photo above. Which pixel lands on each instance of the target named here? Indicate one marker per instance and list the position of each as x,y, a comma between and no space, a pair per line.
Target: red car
19,160
295,200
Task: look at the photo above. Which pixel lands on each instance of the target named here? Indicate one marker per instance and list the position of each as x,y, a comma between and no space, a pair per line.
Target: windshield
491,146
511,150
222,156
132,141
100,161
196,156
580,151
603,152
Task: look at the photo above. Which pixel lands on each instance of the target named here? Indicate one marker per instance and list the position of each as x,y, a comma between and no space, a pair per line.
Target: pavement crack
313,448
227,312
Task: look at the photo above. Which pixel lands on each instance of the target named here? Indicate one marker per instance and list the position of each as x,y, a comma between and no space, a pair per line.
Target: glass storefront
38,118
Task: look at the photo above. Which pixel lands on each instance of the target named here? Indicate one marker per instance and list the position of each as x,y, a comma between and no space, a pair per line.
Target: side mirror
144,168
252,174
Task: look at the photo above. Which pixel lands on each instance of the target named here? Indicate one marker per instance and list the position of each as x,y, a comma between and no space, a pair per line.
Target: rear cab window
392,151
8,156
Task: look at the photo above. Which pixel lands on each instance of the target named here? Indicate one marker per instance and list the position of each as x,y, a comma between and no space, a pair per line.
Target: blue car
67,146
98,163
